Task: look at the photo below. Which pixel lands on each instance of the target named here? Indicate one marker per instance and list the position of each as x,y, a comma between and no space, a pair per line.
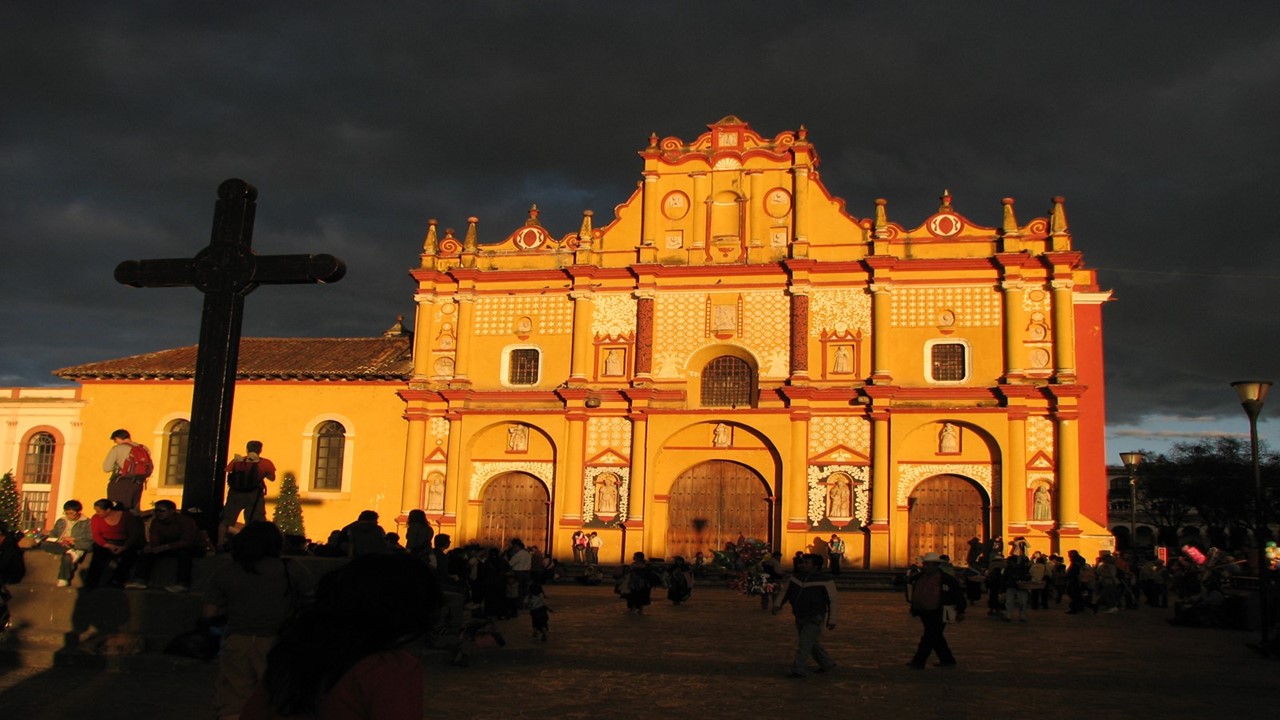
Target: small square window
948,362
523,365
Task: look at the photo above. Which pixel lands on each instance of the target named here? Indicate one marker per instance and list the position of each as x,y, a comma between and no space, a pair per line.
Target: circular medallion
945,225
529,238
675,205
777,202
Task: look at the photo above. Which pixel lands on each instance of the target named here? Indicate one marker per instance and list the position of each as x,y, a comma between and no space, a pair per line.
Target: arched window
37,467
727,381
175,457
331,440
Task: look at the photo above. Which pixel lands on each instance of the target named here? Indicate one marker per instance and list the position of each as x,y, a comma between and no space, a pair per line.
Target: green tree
1214,478
10,503
288,515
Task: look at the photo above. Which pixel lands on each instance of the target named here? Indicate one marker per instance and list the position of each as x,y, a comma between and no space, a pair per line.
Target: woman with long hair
344,656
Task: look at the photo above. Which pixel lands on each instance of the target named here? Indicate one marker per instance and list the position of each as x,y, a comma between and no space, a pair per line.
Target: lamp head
1131,460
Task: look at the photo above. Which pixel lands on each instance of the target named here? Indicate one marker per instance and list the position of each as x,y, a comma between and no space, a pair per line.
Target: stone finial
653,140
533,216
1010,224
584,232
470,241
946,201
881,226
1058,216
429,245
802,134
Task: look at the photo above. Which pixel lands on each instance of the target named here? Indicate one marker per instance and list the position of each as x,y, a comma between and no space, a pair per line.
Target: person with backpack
930,592
246,489
130,465
812,594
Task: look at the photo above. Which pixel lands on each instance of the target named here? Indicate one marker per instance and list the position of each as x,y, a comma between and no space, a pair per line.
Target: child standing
536,602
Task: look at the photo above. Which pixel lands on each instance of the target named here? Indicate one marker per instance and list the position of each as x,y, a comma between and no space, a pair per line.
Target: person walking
812,596
930,592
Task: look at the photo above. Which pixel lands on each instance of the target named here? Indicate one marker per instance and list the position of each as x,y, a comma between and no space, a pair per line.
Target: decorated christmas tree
10,506
288,516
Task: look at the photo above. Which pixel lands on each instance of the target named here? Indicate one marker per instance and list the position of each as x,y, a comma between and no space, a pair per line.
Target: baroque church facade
733,354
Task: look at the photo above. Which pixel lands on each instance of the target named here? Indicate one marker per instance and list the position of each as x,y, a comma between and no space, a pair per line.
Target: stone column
1064,331
583,341
466,328
881,332
1014,321
799,333
1015,486
644,335
415,450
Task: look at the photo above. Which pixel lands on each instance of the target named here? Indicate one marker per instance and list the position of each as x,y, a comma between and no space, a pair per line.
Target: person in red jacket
117,535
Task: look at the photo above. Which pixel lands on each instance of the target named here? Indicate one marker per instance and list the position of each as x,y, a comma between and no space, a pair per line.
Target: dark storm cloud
1156,121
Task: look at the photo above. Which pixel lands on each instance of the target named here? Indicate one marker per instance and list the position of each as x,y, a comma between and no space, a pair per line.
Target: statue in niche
722,436
949,440
838,496
517,438
613,362
1042,504
607,494
435,492
844,360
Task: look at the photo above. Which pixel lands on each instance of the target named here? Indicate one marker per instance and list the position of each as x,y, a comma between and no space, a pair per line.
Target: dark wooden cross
225,271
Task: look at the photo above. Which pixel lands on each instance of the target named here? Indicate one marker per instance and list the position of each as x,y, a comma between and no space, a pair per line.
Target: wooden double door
515,505
945,511
713,503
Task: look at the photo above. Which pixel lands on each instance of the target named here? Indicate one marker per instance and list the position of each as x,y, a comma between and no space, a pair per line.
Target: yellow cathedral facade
732,354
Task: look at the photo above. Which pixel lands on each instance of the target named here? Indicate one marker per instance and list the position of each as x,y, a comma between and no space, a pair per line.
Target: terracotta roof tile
380,358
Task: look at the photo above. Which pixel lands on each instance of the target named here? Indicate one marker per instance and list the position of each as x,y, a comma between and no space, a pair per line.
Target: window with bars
727,381
175,456
37,467
949,362
331,441
523,365
35,510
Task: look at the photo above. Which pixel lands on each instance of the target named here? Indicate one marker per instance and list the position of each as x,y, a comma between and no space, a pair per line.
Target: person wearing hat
929,592
812,595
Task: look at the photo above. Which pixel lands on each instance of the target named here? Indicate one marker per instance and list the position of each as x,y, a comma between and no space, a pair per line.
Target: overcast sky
1159,122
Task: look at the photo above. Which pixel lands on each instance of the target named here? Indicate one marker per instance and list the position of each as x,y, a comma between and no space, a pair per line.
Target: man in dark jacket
812,595
930,593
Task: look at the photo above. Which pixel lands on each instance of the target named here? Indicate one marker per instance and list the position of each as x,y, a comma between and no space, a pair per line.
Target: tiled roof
379,358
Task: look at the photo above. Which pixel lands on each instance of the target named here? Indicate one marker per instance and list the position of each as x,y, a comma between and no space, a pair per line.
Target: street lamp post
1131,461
1252,394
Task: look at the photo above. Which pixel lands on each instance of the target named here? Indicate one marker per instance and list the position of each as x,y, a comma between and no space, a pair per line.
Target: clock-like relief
1039,332
675,205
777,202
946,318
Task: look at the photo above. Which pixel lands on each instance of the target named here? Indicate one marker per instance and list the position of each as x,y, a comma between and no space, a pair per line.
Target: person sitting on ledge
172,534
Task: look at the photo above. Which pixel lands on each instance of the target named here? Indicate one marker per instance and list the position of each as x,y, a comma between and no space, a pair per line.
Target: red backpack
137,463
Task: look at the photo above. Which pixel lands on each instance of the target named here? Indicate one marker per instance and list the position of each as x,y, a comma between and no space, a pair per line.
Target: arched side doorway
514,505
713,503
945,511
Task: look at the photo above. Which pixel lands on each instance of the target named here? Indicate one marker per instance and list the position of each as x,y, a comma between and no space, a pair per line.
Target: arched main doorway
945,511
514,505
713,503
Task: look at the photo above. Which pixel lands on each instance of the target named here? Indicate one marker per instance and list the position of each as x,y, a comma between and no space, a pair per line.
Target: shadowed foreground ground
722,657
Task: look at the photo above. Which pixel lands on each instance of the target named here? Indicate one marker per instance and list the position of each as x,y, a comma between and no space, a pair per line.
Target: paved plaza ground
721,656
